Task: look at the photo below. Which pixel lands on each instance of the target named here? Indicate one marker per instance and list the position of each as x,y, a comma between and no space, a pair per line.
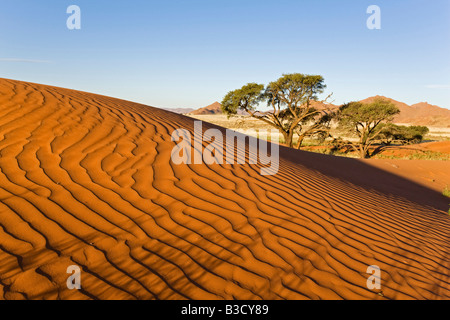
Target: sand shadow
364,175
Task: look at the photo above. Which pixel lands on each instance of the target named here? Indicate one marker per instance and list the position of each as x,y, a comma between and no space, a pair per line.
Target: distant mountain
322,105
433,114
180,110
421,113
214,108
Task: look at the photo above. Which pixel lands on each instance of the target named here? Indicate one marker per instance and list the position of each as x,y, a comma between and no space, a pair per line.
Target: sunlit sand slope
87,180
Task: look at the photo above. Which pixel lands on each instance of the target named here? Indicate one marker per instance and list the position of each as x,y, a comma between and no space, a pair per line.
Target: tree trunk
300,141
364,152
288,139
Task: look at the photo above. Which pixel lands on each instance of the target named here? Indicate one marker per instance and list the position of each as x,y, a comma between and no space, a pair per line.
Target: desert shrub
390,133
446,192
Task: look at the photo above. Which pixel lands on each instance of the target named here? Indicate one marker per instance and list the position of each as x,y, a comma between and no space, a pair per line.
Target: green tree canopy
247,98
364,119
289,101
402,134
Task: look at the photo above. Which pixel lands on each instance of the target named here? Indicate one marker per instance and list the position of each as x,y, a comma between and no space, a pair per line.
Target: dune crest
87,180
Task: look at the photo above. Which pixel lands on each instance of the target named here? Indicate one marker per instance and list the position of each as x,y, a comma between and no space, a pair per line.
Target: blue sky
191,53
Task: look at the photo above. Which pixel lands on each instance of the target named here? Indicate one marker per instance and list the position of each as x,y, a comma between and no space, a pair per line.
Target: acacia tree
364,120
289,101
317,124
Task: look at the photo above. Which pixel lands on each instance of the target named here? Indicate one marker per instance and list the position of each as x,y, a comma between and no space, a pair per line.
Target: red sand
87,180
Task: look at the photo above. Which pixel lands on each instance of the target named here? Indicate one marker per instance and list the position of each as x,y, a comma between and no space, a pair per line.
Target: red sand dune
434,146
434,150
429,173
87,180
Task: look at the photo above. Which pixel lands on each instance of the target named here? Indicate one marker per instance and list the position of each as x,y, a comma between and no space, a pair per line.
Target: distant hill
214,108
323,106
180,110
421,113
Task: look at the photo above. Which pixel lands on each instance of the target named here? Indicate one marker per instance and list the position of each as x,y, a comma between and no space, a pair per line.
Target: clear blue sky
191,53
